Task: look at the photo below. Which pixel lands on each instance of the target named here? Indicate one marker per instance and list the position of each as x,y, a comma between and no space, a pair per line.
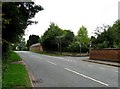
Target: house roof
37,44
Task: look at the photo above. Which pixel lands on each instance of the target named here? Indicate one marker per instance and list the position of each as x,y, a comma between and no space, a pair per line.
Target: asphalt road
51,71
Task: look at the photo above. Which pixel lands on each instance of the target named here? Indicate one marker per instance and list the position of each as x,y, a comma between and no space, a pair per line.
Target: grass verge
63,54
50,54
15,57
15,76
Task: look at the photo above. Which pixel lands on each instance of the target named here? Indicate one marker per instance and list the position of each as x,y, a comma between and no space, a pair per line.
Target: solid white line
51,63
87,77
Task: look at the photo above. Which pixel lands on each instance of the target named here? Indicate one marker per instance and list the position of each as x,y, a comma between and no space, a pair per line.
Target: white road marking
60,58
71,60
115,71
86,77
102,68
90,65
51,63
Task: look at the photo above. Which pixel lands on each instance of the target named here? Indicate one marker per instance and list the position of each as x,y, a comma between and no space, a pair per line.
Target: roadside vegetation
16,16
62,54
15,74
51,53
56,39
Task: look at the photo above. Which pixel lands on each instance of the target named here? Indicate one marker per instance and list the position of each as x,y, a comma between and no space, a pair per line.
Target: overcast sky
72,14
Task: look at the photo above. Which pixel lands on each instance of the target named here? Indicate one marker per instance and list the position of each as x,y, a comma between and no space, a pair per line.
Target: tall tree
109,37
21,45
48,39
15,19
82,36
68,37
32,40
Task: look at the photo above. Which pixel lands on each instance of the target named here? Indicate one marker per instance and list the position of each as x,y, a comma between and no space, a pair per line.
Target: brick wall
105,54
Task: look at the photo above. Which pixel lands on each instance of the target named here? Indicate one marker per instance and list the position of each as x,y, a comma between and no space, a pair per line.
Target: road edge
29,74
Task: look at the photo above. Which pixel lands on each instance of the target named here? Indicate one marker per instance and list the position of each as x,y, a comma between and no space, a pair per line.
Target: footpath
115,64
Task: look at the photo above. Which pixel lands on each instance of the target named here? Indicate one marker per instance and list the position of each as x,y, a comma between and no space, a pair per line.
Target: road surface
51,71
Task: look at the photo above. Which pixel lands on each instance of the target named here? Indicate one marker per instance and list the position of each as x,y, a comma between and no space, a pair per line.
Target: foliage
68,37
48,39
83,36
108,37
15,19
14,57
14,74
32,40
73,47
21,46
56,38
81,39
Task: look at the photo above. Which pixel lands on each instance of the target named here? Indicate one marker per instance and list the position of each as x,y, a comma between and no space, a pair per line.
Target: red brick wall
105,54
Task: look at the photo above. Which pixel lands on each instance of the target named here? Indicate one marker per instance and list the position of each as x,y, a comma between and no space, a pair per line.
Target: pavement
115,64
52,71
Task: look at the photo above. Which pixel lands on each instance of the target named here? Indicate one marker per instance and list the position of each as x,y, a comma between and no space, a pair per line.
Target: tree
22,45
73,46
32,40
116,29
49,41
15,19
108,37
55,38
68,37
83,35
82,38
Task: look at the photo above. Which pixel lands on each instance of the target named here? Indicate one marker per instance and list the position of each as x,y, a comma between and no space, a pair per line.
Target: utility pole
90,47
80,48
60,46
60,41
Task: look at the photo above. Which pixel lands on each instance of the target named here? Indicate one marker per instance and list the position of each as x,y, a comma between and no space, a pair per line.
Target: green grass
14,57
51,54
15,75
63,54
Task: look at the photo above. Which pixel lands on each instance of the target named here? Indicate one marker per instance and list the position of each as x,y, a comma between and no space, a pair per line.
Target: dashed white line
115,71
90,65
60,58
51,63
102,68
86,77
71,60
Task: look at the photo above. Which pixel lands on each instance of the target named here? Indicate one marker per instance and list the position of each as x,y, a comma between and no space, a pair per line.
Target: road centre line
60,58
102,68
115,71
51,63
86,77
90,65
